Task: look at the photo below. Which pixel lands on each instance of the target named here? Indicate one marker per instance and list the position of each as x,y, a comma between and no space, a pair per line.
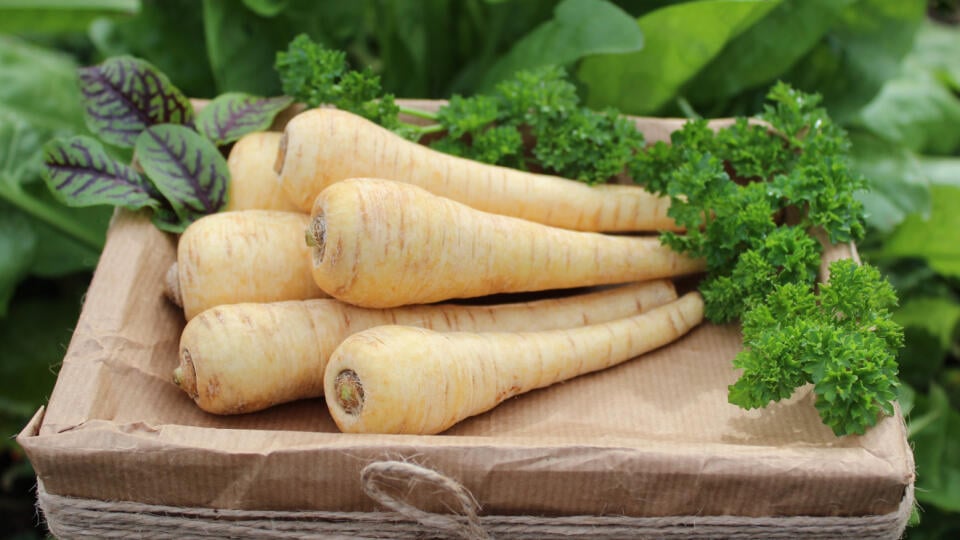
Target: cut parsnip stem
324,146
379,243
245,256
401,379
253,180
247,357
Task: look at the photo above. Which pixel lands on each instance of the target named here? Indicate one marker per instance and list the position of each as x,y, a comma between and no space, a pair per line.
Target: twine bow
390,482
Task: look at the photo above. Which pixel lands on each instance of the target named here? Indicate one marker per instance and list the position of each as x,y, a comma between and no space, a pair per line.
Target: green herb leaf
147,34
240,47
266,8
125,95
915,112
937,450
18,241
930,326
315,75
186,168
579,28
854,59
840,340
68,239
941,171
82,173
935,50
28,71
58,254
679,40
53,16
233,115
760,54
898,183
933,239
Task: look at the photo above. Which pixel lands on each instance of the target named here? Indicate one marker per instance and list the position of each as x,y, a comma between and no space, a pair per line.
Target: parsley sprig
751,197
542,106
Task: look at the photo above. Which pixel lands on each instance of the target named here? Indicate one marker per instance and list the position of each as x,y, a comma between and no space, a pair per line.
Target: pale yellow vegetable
246,357
323,146
244,256
253,180
379,243
402,379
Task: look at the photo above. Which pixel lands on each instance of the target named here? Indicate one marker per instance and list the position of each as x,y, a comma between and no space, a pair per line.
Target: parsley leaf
749,197
841,340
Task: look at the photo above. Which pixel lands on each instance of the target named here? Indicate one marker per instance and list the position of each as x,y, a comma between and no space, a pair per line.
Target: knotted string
390,482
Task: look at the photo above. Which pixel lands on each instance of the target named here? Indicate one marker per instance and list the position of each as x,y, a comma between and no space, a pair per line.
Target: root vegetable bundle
396,258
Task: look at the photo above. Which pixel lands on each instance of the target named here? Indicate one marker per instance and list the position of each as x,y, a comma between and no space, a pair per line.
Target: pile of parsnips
331,271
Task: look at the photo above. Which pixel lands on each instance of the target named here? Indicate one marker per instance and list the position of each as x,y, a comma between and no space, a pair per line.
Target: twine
390,483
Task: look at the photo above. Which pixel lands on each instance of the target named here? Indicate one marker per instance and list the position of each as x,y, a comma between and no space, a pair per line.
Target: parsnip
323,146
244,256
246,357
379,243
401,379
253,181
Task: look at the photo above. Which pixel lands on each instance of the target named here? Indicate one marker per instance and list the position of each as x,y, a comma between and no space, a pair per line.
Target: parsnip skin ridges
253,180
400,379
244,256
381,244
246,357
324,146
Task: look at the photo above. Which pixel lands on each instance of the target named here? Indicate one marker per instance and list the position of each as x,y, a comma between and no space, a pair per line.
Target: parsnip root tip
349,392
171,288
185,375
281,154
316,236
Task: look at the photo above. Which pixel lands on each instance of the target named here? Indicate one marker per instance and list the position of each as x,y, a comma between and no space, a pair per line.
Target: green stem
65,224
418,113
432,128
687,108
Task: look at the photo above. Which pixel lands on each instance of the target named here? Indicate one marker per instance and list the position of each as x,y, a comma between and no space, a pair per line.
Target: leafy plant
179,173
40,236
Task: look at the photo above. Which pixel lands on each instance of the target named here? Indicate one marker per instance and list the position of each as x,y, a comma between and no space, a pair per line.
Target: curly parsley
749,197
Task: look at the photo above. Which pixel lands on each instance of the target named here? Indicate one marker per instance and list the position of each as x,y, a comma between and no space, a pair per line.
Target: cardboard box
652,437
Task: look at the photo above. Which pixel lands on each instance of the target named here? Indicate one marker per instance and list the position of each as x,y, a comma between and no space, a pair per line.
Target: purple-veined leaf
186,167
81,173
233,115
166,219
125,95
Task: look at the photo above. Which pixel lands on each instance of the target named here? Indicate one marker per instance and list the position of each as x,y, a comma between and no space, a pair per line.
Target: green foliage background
889,71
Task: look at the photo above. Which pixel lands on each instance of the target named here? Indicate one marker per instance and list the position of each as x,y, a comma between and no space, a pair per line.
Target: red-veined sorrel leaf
81,173
186,167
233,115
166,219
125,95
